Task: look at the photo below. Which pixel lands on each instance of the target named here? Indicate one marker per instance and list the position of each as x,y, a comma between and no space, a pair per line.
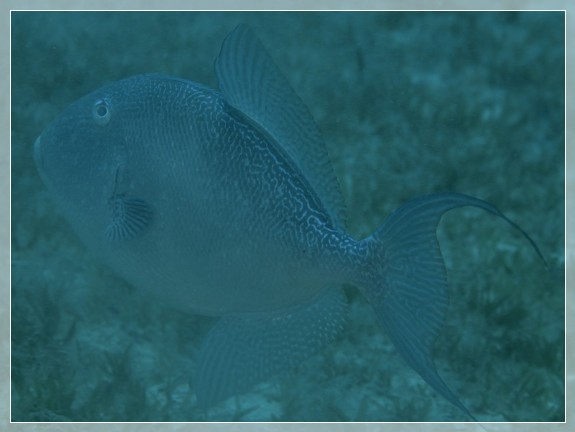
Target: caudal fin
409,292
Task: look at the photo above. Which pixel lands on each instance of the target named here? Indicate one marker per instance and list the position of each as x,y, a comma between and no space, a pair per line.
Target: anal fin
241,351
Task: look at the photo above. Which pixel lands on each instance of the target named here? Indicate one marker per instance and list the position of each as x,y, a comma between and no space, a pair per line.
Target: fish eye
101,111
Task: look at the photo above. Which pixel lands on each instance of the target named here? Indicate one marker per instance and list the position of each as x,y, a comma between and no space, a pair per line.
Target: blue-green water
408,103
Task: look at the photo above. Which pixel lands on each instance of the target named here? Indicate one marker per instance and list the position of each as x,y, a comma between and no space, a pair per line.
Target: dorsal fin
252,84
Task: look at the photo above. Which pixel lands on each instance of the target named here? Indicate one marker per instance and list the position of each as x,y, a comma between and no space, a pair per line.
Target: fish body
213,194
224,203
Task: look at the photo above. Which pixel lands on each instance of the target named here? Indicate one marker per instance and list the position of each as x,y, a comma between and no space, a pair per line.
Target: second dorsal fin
252,84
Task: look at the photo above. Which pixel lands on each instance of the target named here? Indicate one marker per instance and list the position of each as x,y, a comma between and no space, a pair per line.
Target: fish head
86,154
78,150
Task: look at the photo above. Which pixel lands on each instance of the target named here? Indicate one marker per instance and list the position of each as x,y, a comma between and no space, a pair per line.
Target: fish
224,203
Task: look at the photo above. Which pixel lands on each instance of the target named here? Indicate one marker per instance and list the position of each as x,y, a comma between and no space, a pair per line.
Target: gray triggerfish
224,203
